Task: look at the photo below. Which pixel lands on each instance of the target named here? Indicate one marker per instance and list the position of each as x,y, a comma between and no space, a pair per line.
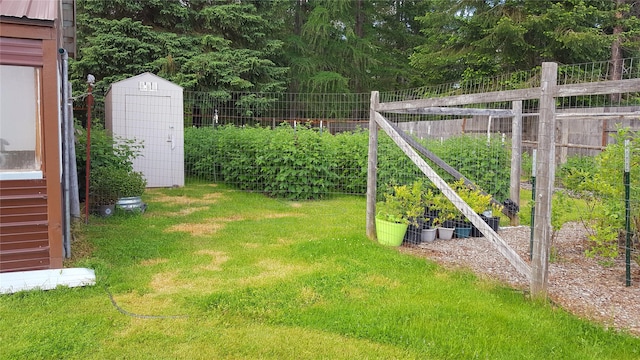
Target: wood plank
7,256
459,100
24,265
455,111
502,247
619,115
516,156
545,171
26,244
598,88
372,167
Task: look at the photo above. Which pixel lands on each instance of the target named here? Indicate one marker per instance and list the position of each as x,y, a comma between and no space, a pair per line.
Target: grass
574,209
270,279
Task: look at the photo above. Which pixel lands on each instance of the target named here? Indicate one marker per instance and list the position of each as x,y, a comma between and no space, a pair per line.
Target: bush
486,164
350,160
297,164
603,189
106,153
575,171
306,164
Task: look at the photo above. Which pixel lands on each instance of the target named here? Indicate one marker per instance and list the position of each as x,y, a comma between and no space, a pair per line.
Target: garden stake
533,199
90,81
627,203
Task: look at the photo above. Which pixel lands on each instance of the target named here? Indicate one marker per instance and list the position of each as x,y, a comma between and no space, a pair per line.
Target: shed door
150,119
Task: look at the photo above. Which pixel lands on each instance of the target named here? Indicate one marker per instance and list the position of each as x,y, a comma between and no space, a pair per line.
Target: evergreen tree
207,45
475,38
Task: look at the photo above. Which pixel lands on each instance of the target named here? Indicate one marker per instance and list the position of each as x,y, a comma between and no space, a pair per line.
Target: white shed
149,109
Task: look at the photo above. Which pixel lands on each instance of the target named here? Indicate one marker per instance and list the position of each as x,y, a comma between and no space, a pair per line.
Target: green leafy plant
446,209
104,186
575,171
403,204
526,166
107,152
478,201
296,164
486,164
603,190
109,183
561,206
132,183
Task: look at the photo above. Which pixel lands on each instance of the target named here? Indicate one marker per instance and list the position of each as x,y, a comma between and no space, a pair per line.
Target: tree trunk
616,50
359,28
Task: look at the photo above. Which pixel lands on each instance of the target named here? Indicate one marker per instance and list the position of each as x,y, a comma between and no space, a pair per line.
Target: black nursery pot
493,222
413,234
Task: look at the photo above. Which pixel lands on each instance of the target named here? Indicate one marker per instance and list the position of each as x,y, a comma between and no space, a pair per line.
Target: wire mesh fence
587,164
308,146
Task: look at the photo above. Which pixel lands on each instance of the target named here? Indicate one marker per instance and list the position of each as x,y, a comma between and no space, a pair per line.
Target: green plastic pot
390,233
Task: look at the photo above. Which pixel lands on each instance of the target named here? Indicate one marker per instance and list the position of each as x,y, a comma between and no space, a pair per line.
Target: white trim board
13,282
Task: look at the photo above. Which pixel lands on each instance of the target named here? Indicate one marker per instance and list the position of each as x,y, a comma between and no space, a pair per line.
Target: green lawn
259,278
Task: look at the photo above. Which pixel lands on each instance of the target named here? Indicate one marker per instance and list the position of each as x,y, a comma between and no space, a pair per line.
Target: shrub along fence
609,183
302,162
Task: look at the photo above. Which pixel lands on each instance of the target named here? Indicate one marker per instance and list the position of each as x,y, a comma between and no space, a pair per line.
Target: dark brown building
31,226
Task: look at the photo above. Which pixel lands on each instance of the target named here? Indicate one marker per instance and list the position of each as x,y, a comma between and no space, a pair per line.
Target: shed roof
30,9
147,76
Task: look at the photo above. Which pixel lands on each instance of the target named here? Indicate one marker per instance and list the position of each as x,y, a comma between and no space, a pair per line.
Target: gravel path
576,283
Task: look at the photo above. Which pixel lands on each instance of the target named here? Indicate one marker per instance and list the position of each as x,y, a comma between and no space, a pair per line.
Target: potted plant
446,213
429,226
104,191
489,216
481,204
390,225
415,203
401,206
130,187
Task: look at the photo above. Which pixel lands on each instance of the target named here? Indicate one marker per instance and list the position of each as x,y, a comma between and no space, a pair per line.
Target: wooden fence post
516,155
545,169
372,166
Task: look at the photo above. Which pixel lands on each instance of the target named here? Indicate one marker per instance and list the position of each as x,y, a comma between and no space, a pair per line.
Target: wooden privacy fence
548,120
584,131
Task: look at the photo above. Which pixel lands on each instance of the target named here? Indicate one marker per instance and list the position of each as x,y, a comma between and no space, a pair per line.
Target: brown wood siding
29,241
24,227
25,52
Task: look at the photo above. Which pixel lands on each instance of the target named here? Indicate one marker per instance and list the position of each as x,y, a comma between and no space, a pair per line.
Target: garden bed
576,283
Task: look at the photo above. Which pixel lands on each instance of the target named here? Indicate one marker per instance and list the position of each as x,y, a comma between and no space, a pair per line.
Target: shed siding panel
25,52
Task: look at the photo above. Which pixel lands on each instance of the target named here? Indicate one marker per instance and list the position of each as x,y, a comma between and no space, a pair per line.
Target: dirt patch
164,282
200,229
80,248
213,196
278,216
217,258
216,224
576,283
207,199
185,211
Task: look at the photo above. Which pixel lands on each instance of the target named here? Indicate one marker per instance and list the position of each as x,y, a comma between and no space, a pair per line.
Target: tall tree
626,37
208,45
471,38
